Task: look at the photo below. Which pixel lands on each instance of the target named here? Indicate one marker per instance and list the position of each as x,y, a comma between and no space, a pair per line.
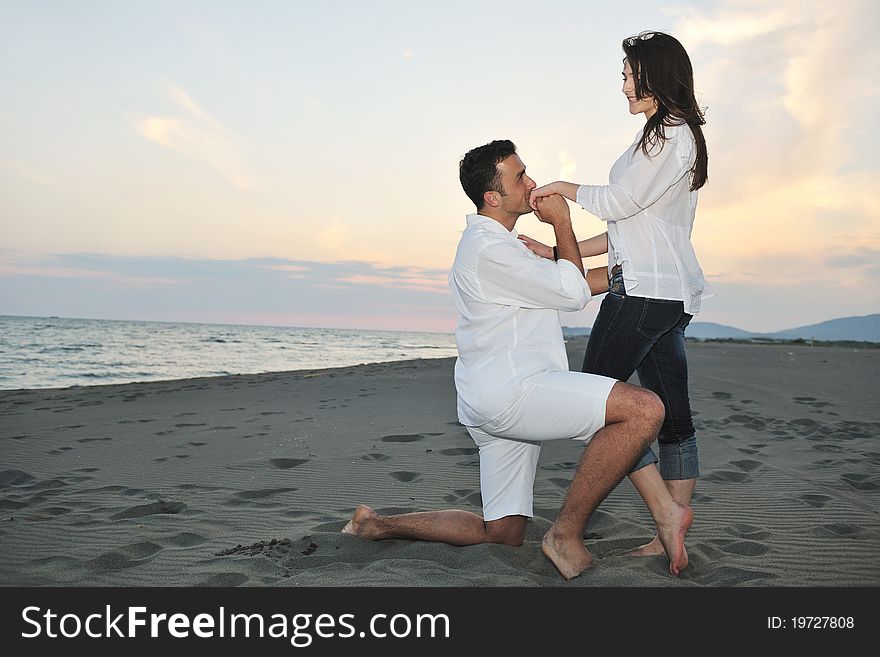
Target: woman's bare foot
671,533
651,549
363,523
569,555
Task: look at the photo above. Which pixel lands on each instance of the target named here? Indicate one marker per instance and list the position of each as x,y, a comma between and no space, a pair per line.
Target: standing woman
655,282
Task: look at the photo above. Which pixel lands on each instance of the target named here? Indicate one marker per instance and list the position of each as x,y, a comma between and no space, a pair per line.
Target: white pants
560,405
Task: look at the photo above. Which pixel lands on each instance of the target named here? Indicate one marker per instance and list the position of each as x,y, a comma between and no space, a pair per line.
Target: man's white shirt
508,300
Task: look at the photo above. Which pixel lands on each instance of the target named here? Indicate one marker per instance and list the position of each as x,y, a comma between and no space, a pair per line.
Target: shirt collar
489,223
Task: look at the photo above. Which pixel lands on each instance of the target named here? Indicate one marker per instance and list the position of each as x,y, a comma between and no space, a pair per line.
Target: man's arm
554,210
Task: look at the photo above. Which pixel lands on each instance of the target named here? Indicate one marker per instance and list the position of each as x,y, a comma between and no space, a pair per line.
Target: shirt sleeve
645,180
511,277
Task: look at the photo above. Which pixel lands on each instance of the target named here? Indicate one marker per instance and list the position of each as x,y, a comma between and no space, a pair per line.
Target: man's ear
492,198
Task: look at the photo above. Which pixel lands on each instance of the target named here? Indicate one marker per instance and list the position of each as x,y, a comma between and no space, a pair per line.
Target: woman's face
647,105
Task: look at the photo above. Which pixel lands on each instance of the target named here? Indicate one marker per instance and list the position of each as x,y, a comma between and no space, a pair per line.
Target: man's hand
541,192
552,209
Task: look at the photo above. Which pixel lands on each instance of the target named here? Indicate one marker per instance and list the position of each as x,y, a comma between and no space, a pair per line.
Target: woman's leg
664,371
623,335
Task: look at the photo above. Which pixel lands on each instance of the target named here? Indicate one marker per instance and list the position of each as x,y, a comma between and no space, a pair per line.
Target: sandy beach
247,480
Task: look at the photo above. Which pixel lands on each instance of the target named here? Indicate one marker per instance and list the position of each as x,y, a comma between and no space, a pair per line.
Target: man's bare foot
568,555
363,523
671,533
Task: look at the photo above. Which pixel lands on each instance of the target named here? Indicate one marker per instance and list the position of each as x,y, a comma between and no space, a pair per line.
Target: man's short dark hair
478,173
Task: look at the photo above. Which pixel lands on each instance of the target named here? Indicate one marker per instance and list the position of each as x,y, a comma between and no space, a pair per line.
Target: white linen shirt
650,213
508,331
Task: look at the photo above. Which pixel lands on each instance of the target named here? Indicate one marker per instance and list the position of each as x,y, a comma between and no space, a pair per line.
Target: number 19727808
811,623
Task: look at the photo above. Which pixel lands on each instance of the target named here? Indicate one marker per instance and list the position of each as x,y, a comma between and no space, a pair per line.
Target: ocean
53,352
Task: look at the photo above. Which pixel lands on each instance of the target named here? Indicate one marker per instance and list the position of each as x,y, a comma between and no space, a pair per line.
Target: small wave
85,375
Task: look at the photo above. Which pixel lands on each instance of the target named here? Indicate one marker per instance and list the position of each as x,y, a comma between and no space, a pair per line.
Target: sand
247,480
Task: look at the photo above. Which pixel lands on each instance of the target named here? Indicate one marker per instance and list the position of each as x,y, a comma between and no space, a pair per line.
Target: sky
296,163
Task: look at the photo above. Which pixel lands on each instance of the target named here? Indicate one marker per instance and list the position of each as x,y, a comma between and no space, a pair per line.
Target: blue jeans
637,334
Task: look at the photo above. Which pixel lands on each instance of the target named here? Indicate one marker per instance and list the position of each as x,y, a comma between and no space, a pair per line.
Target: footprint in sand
839,530
748,532
184,540
286,464
465,496
403,438
374,456
727,477
740,547
155,508
722,395
126,556
460,451
747,465
262,493
225,580
405,477
14,478
860,481
748,421
815,500
811,401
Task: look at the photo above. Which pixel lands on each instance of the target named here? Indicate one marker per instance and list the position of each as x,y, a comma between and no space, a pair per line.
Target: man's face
516,185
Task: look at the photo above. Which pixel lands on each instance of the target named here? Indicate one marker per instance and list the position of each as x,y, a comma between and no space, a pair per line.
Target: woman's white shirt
650,213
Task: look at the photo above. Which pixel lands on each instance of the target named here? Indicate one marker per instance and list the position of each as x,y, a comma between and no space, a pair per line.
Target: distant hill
863,329
713,331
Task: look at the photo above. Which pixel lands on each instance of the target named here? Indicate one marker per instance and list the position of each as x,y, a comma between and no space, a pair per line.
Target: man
513,383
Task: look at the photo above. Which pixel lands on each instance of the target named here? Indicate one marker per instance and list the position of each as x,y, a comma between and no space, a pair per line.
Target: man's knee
652,407
509,530
629,402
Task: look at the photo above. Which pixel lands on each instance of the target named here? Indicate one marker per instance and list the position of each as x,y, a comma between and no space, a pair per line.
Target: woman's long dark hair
662,69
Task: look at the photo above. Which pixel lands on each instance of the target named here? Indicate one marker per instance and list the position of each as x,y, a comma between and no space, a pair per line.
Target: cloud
26,172
350,293
792,153
200,137
336,242
567,165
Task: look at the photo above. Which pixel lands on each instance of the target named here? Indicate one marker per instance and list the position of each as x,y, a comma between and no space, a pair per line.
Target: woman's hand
541,192
536,247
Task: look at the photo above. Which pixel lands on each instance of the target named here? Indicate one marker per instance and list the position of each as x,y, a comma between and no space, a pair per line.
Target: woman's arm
591,247
644,181
594,246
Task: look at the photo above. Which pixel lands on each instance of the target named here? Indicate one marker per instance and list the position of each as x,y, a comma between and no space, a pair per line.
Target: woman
655,282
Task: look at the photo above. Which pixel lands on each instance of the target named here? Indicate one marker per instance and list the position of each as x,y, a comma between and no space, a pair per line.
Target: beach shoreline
246,480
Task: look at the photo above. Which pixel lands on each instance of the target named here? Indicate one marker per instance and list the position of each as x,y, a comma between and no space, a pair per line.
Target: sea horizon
58,352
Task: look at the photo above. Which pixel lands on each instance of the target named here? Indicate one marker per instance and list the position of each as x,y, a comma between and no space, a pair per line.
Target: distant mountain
863,329
713,331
